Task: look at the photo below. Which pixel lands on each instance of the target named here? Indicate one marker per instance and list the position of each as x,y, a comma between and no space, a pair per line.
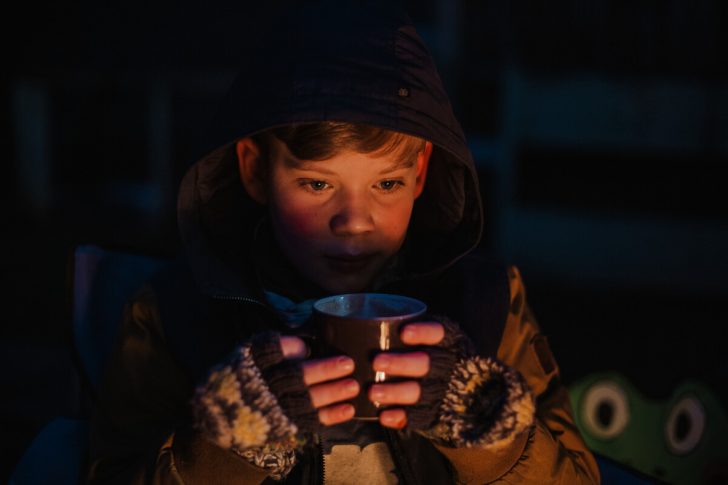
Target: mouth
348,263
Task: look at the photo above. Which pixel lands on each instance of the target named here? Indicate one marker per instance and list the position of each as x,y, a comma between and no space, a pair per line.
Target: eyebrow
312,166
398,166
317,166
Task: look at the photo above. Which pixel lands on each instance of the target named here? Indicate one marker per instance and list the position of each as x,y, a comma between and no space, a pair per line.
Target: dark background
600,130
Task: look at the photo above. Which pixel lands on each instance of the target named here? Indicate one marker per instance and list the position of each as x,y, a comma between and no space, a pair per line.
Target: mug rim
420,305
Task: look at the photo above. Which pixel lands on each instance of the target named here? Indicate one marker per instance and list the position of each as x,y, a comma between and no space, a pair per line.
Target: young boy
341,169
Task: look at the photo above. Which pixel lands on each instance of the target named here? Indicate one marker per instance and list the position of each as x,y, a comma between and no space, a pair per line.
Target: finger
328,369
408,364
331,392
424,333
407,392
293,348
336,414
393,418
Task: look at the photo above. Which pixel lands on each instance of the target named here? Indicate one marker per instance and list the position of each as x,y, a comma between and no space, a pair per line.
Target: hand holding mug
412,364
327,381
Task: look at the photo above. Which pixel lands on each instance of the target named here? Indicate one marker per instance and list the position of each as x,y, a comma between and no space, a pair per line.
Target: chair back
103,281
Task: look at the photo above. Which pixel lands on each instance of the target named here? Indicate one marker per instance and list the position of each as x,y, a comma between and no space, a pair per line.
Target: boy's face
340,220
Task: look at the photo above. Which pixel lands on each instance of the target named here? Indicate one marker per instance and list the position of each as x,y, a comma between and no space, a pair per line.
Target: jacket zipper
239,298
322,462
243,299
400,461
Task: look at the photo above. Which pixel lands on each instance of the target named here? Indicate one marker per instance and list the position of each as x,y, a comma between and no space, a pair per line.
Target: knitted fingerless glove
257,405
433,386
468,400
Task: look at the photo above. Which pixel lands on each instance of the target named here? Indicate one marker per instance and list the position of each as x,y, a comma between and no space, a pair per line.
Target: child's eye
315,185
390,185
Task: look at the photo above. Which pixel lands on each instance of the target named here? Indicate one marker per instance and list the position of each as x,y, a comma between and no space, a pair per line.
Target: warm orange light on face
341,220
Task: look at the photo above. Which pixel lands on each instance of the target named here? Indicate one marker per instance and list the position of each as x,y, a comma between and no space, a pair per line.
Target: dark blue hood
359,62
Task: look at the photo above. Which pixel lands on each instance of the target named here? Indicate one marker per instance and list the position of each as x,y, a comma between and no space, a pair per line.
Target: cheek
395,222
296,219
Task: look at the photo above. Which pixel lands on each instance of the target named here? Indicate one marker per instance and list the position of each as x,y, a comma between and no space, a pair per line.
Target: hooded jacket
362,63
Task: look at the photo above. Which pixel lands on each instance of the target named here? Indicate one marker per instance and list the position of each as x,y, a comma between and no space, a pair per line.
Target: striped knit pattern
236,410
487,404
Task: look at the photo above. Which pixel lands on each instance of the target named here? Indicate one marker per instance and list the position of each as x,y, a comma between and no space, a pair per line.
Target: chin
340,285
343,289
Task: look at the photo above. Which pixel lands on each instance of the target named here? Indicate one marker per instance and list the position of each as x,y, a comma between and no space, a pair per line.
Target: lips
348,263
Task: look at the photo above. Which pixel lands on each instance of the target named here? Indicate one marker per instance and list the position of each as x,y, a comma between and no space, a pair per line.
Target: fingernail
345,363
382,362
376,393
394,421
347,412
352,387
408,334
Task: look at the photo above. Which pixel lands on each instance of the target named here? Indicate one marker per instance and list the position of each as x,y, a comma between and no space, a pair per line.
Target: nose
353,216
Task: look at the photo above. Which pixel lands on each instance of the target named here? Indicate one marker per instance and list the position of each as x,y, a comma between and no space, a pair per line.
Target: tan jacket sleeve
140,431
553,451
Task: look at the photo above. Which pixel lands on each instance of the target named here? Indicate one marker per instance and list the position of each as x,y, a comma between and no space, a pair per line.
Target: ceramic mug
361,325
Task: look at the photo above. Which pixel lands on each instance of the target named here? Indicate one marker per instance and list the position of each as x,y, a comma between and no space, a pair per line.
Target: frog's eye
605,410
685,425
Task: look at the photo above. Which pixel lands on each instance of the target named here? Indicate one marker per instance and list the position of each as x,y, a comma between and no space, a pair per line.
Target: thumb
293,347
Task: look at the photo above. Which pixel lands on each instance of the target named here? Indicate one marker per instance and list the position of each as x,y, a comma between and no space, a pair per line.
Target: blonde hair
323,140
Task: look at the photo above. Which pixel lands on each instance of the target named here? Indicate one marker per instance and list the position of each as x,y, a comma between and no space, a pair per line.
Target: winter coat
361,63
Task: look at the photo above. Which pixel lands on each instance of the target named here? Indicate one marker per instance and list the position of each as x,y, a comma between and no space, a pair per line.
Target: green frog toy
680,440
